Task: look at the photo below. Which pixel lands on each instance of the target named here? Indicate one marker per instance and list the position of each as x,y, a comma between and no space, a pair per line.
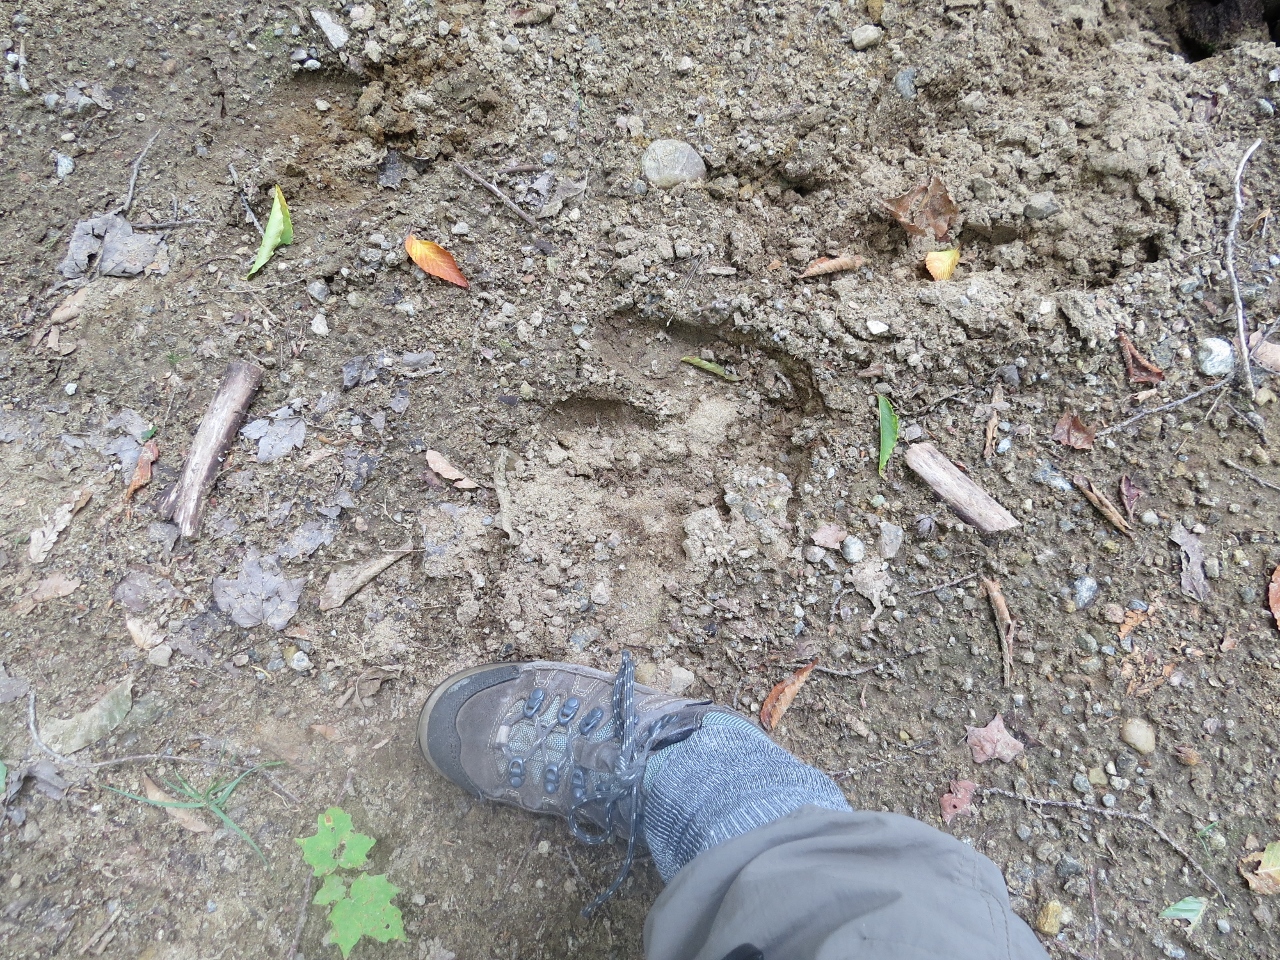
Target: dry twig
1163,407
1006,625
941,586
123,209
507,201
870,669
1251,475
1113,814
1242,328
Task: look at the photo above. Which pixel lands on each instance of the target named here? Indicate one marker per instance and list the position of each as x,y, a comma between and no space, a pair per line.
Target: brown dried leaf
148,455
52,587
823,265
145,633
1264,352
326,730
439,463
1262,870
1102,503
1129,495
1134,619
1137,367
186,818
925,209
993,740
1186,755
780,697
829,535
959,801
1273,595
1072,432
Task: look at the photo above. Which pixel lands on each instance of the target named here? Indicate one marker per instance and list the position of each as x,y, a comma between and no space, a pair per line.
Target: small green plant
214,799
364,909
888,430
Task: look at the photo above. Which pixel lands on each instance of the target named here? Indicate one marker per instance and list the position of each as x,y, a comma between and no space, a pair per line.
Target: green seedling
364,909
278,232
1203,835
888,431
214,799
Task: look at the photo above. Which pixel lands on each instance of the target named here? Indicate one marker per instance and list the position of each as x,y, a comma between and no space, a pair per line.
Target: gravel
866,36
669,162
1139,734
1215,357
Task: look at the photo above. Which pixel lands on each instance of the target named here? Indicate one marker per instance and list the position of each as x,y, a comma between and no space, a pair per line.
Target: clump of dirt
628,499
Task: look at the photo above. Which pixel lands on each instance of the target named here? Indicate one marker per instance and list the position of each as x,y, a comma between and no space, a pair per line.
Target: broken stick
1005,623
184,501
970,502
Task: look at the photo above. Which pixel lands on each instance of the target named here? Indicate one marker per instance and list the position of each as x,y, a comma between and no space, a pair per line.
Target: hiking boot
556,738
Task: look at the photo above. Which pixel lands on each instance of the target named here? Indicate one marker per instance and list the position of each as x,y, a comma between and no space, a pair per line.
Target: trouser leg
828,885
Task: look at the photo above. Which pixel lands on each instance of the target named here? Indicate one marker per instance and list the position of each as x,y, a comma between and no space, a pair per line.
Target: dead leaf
993,421
145,633
326,730
440,464
829,536
959,801
345,581
259,594
1129,495
277,434
435,260
941,264
52,587
925,209
1102,503
1005,625
1194,584
1134,619
44,537
186,818
530,16
990,741
91,725
824,265
1273,595
780,697
148,455
1262,870
1264,352
1072,432
1137,367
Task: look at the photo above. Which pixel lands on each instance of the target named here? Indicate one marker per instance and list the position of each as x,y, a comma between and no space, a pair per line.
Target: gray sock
726,779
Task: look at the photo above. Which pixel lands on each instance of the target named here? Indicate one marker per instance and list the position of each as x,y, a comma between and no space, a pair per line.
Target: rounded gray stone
1216,357
668,162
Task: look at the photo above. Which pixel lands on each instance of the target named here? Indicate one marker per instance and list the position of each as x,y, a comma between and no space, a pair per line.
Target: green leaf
335,843
279,232
1188,908
710,367
4,774
331,891
888,431
366,912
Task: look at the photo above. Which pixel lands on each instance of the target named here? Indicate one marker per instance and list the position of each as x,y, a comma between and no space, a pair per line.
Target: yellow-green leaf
1188,908
279,232
710,367
888,431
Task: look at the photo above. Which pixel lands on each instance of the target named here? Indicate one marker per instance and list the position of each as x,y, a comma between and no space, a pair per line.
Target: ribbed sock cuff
722,781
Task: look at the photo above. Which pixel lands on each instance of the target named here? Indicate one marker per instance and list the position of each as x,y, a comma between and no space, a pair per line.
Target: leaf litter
828,265
435,260
1072,432
277,434
992,742
1194,583
1261,870
44,537
441,466
780,697
345,581
959,801
260,594
1137,367
91,725
925,210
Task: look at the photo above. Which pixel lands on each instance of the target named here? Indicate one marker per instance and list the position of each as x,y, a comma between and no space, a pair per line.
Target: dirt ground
625,499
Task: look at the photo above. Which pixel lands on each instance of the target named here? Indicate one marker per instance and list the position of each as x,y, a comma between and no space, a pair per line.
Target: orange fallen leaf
149,454
959,800
440,465
187,818
925,209
1273,595
435,260
823,265
1133,619
780,697
941,264
1072,432
1261,870
1138,368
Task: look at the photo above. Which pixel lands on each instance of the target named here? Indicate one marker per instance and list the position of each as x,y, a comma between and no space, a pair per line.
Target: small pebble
853,549
300,662
461,229
601,594
319,291
1041,206
1081,783
1224,925
1086,592
685,65
1150,519
669,162
1139,734
323,105
877,328
866,36
320,325
511,44
890,540
1049,919
1215,357
814,554
904,81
